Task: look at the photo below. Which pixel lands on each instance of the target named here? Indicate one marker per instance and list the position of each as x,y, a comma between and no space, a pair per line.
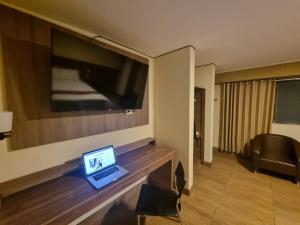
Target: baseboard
216,149
207,164
188,192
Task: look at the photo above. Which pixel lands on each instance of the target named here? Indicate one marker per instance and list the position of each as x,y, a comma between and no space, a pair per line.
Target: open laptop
100,167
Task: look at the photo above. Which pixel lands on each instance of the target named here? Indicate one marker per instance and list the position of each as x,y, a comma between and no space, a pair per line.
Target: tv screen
87,77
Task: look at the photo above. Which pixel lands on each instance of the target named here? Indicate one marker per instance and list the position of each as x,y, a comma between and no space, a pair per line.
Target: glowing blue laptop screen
98,160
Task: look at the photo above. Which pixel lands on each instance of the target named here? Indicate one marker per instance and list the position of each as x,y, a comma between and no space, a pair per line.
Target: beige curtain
246,110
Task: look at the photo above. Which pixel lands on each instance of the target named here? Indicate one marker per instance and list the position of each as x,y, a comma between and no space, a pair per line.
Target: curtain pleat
246,110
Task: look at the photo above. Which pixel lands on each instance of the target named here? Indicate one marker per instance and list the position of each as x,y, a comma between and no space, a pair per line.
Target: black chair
156,201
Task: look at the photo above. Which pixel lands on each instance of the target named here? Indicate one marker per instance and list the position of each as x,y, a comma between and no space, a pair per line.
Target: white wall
290,130
18,163
174,104
216,118
205,78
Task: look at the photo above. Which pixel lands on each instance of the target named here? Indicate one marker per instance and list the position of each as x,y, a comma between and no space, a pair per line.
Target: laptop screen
98,159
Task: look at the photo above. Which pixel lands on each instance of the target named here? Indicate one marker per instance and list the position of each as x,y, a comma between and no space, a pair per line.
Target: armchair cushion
276,147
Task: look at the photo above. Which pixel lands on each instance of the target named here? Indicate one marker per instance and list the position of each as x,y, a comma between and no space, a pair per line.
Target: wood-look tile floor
229,194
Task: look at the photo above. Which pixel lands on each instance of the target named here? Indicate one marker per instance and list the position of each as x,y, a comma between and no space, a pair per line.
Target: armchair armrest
256,145
297,151
255,150
297,154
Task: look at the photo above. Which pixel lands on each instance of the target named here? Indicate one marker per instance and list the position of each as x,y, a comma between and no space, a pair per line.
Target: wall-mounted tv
87,77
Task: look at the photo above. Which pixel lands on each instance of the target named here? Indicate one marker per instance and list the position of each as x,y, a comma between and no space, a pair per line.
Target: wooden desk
70,199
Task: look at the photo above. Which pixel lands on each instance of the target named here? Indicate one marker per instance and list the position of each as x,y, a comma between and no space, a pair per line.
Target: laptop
100,167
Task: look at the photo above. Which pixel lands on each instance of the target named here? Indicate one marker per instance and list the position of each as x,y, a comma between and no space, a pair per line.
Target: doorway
199,120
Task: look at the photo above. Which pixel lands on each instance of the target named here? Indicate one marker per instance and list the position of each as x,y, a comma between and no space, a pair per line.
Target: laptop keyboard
105,173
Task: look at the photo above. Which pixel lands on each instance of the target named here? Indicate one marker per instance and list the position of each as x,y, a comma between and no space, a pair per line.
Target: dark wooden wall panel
26,52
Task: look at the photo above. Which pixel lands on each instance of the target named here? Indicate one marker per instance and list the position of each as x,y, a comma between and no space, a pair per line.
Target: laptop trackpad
108,179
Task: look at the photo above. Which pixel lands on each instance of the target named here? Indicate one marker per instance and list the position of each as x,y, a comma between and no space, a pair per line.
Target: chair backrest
179,179
276,146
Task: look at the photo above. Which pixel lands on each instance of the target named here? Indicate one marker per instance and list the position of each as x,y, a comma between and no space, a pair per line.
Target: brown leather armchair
276,153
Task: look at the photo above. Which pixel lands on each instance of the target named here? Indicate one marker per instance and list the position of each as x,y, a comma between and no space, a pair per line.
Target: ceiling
233,34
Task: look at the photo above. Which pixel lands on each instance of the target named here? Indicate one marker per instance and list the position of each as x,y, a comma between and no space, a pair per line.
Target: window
287,101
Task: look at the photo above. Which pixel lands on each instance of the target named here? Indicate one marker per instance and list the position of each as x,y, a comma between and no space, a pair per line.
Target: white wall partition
205,78
174,104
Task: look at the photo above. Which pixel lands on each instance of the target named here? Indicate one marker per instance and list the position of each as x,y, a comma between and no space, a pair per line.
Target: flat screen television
87,77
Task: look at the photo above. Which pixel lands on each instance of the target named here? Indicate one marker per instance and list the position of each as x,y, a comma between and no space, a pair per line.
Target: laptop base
97,184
